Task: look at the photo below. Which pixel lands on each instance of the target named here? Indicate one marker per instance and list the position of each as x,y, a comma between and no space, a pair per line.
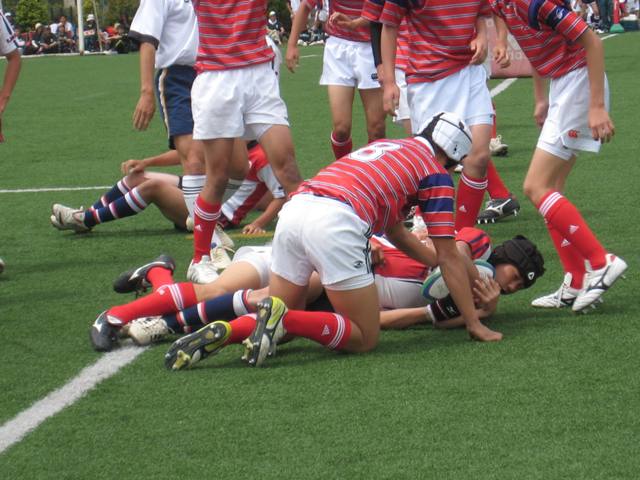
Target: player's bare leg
473,181
167,197
278,146
341,105
374,113
361,307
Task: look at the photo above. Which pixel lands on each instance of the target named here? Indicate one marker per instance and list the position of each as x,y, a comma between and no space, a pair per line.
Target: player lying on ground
574,117
140,188
398,280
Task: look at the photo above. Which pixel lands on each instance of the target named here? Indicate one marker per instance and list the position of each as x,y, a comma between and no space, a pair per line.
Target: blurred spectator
66,44
9,17
606,15
20,39
119,41
48,41
34,41
91,39
274,28
67,25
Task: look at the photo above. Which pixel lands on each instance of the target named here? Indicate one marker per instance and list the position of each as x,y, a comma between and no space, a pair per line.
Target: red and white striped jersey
383,180
372,10
350,8
258,181
546,31
398,264
231,34
440,32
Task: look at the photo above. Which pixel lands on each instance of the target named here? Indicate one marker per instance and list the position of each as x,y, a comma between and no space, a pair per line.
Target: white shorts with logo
259,258
464,93
566,129
402,112
242,102
348,63
325,235
399,293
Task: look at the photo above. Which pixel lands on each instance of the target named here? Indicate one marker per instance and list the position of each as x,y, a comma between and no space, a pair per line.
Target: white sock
191,187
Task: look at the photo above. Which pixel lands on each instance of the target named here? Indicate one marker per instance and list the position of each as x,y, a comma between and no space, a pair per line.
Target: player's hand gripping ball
434,287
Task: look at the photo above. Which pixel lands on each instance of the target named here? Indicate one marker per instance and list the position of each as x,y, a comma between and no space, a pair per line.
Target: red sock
241,328
167,299
469,200
571,260
159,276
205,216
328,329
566,219
495,186
340,149
494,125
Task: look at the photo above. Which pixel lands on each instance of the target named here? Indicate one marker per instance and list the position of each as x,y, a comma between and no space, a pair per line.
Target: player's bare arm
166,159
409,244
344,21
455,276
501,51
388,43
480,44
540,98
299,24
146,105
602,127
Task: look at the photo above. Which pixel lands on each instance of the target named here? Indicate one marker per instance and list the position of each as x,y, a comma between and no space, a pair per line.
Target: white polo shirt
7,38
170,26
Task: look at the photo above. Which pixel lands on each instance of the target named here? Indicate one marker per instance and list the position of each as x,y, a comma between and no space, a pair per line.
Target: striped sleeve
556,16
372,9
393,12
435,199
485,8
478,241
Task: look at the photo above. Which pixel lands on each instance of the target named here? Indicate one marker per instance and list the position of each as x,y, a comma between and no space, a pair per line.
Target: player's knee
376,130
341,131
533,190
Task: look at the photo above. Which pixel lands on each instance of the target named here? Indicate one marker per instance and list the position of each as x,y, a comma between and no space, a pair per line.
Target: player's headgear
447,131
523,254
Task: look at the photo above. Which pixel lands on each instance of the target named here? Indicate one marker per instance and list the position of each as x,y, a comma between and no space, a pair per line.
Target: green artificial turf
558,398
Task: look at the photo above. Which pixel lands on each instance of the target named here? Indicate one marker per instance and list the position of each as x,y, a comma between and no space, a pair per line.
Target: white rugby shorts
259,258
402,112
566,129
464,93
241,102
325,235
399,293
349,64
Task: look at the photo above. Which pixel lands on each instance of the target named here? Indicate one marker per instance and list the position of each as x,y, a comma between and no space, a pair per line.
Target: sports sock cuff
548,201
240,302
191,183
338,142
343,332
205,210
475,183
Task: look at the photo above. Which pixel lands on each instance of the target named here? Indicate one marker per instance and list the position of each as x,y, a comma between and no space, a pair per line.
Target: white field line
309,56
502,86
53,189
108,365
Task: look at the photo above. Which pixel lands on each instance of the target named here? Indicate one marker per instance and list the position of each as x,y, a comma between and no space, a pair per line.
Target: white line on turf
108,365
502,86
309,56
53,189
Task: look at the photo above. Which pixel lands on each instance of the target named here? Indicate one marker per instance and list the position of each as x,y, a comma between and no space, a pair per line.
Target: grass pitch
558,398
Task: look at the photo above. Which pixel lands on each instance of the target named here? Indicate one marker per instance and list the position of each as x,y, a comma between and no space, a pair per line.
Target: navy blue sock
117,191
193,318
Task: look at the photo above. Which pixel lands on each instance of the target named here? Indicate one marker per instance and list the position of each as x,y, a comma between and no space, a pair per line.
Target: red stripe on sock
328,329
566,219
160,302
340,149
469,200
241,328
159,276
203,228
495,186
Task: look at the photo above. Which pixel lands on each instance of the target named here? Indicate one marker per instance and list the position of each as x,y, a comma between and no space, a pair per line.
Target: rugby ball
434,287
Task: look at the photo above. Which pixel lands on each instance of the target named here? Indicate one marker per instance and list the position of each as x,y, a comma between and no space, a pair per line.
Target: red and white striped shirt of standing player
541,28
350,8
231,34
382,181
440,32
372,10
258,181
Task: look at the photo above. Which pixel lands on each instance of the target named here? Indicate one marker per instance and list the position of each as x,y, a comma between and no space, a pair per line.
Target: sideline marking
502,86
28,420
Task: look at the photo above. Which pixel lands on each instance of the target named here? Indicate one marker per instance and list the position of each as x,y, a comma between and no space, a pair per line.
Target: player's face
509,279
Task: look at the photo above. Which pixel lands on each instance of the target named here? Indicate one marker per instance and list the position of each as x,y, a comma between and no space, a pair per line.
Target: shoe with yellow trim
196,346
